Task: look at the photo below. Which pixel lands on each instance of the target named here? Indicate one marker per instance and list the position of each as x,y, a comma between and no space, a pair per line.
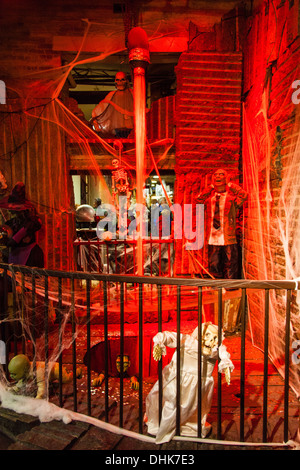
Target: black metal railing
38,283
120,256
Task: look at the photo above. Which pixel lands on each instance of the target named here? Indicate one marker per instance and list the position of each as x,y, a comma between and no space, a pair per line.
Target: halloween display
222,200
218,106
31,377
165,428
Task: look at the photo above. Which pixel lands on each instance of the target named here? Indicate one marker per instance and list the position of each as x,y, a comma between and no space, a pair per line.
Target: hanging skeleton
120,184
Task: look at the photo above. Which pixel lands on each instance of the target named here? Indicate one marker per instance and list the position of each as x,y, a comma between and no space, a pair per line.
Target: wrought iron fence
120,256
36,284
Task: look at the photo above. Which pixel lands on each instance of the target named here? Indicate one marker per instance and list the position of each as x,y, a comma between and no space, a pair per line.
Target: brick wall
160,119
33,151
32,142
269,73
208,131
270,135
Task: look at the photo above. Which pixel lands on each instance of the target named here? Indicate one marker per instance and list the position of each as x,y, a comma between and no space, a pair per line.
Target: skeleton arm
161,340
225,364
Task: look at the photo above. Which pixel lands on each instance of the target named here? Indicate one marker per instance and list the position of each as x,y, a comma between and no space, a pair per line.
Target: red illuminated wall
208,123
33,143
271,64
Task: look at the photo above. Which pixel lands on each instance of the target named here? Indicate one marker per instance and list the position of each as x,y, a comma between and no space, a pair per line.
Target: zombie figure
134,383
97,360
30,378
222,201
165,429
114,115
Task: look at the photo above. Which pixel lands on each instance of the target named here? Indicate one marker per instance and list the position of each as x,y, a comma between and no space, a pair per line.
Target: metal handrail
179,283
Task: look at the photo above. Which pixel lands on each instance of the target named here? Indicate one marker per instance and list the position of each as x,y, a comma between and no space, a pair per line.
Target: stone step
12,423
54,435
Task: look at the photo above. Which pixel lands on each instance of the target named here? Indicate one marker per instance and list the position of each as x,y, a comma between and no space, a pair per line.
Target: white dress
165,431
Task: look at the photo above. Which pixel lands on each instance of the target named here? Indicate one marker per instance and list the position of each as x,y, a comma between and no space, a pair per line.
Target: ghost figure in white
165,430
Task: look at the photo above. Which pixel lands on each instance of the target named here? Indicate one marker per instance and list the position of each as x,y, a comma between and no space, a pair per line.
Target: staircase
208,110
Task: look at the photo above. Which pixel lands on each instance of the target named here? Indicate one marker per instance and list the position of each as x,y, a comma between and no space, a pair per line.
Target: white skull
209,338
115,163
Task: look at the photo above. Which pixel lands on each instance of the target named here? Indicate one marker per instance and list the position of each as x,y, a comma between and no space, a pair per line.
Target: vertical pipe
141,358
219,417
107,259
178,363
89,255
22,296
98,255
139,58
199,361
160,384
14,305
74,359
60,339
287,365
266,354
46,335
125,262
33,319
105,348
121,352
88,341
4,325
140,143
151,257
242,378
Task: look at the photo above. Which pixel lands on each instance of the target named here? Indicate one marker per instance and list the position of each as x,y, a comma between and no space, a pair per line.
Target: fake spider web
272,225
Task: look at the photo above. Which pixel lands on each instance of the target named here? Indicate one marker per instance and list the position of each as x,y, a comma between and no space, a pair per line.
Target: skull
209,338
121,81
115,163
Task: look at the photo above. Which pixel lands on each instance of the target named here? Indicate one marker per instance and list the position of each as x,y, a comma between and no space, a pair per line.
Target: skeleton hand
134,383
97,382
227,375
157,352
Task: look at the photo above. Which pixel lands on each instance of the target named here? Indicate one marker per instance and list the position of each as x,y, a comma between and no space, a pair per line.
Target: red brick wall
160,119
270,133
33,151
272,58
208,131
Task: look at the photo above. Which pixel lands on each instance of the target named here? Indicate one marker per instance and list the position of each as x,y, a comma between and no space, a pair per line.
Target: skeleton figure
115,114
166,428
120,184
